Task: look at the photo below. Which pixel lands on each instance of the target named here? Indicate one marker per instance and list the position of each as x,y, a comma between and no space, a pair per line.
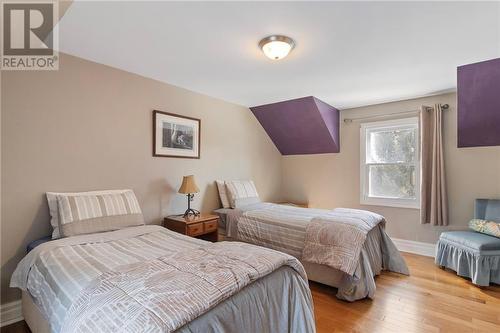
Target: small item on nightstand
204,226
189,187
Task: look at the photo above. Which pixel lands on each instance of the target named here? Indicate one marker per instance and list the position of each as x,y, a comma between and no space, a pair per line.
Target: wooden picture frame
175,135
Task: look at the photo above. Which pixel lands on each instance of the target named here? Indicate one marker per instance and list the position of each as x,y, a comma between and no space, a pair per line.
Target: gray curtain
434,200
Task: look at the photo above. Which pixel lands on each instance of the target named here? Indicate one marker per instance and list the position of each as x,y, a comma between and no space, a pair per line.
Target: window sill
390,203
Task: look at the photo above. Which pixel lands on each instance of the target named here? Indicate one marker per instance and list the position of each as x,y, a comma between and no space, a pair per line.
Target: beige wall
88,126
332,180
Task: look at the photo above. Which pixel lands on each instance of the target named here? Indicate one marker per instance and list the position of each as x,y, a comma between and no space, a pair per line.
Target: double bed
285,228
106,271
147,278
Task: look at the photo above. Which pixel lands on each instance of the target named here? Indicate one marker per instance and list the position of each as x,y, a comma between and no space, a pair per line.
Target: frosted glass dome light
276,47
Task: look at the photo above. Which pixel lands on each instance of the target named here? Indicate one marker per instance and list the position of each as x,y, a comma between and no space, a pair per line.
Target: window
390,163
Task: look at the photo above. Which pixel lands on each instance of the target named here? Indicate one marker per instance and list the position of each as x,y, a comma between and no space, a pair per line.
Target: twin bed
135,277
285,228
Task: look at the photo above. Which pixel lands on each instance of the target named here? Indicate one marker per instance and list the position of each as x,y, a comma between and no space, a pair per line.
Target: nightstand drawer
210,226
195,229
203,226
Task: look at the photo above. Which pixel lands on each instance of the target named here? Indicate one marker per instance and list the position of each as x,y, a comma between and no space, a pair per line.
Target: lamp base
191,212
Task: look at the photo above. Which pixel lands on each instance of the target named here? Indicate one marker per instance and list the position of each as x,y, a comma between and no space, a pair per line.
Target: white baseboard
10,313
424,249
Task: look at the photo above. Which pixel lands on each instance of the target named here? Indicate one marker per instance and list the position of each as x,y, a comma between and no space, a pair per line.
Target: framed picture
175,135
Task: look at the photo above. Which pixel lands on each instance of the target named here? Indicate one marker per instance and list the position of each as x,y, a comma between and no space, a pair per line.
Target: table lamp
189,187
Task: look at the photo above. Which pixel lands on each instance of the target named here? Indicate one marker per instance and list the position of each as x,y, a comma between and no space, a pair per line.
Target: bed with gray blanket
344,248
148,278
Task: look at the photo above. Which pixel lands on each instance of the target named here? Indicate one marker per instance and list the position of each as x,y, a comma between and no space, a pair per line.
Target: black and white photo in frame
175,135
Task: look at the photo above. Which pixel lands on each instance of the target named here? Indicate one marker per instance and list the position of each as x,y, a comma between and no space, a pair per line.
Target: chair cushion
472,240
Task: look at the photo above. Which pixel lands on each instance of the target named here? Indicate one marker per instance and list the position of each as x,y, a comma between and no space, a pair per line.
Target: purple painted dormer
301,126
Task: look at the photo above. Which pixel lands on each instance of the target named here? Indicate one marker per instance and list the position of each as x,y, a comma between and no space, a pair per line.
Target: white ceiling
347,54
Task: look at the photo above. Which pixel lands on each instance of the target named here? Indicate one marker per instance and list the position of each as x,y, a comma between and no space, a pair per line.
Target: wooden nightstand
204,226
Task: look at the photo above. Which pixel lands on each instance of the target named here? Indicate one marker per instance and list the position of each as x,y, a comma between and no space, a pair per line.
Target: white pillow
221,186
239,203
92,213
240,189
54,208
54,213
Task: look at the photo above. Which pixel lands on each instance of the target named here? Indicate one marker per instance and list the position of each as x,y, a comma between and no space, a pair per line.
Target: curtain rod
350,120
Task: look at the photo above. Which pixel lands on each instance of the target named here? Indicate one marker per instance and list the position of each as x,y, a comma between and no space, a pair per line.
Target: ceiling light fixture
276,47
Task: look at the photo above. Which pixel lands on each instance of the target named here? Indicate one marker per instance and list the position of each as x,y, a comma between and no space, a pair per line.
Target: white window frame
365,199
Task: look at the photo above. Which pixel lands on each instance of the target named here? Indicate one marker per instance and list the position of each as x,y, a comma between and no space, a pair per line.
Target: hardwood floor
430,300
19,327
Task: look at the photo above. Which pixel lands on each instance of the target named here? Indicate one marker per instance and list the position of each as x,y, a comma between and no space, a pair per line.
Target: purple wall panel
479,104
301,126
331,117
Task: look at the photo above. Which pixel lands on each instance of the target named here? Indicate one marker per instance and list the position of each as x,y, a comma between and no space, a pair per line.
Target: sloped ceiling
348,53
301,126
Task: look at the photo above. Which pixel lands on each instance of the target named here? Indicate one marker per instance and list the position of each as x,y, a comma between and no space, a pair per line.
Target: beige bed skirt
323,274
36,322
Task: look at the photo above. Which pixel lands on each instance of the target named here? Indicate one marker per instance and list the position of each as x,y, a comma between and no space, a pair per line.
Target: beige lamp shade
188,185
